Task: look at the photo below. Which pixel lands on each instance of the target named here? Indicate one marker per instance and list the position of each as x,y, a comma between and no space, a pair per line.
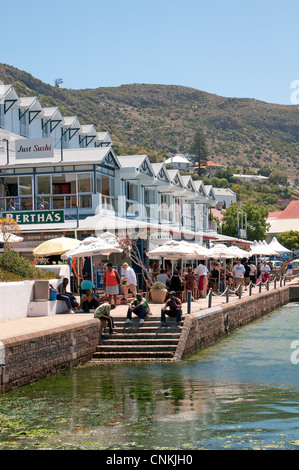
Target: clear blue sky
233,48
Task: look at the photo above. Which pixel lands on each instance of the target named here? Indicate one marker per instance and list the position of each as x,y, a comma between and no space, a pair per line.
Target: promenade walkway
29,325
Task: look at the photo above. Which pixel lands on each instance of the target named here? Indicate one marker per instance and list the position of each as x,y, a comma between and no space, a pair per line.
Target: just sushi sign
34,148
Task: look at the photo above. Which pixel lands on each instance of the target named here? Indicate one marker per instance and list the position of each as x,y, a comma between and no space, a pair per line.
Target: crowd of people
216,275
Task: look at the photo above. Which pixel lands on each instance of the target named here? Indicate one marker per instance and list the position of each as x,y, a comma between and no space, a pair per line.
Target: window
84,182
2,115
25,185
44,184
24,125
132,191
45,129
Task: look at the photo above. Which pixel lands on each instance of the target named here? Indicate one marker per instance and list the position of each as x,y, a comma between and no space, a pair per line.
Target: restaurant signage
36,217
34,148
160,237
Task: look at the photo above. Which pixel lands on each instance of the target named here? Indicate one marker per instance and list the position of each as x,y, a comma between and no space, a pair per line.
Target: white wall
15,296
14,299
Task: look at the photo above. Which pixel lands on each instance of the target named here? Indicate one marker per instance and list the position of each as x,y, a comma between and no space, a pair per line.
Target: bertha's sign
36,217
34,148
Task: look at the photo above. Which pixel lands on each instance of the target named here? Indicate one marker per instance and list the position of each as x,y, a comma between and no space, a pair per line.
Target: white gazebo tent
277,246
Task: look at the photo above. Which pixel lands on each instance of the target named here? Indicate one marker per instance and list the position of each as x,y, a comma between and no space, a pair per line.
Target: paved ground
23,326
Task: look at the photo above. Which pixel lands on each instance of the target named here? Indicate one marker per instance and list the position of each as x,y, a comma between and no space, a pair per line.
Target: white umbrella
172,250
10,238
103,245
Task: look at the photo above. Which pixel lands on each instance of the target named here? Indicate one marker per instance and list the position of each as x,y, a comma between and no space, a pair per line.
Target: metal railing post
240,290
210,298
227,295
189,301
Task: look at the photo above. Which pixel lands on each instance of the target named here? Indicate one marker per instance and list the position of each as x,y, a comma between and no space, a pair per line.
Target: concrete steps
135,342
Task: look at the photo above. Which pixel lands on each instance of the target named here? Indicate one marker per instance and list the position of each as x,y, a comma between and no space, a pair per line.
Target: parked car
295,264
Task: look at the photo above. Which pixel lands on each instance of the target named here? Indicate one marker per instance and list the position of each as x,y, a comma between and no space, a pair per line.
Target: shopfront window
85,183
44,183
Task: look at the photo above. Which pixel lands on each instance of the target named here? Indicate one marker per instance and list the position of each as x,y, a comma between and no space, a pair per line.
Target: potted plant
158,292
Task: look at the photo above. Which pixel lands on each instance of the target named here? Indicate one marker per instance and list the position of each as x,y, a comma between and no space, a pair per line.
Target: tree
199,149
289,239
256,218
8,230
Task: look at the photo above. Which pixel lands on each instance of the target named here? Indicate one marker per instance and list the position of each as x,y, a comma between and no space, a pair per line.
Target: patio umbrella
103,245
172,250
220,252
55,246
10,238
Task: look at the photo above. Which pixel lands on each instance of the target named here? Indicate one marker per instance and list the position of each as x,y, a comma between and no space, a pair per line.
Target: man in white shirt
201,271
238,273
128,281
265,271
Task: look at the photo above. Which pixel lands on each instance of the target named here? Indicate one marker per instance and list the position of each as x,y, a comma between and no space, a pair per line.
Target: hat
172,292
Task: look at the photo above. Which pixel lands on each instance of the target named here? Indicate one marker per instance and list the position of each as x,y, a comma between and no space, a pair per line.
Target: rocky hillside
161,119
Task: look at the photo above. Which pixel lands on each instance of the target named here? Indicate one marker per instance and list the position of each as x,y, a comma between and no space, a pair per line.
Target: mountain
161,119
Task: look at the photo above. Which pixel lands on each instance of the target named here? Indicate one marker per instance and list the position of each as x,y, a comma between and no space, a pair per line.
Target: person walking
128,281
111,283
238,274
202,272
252,273
265,271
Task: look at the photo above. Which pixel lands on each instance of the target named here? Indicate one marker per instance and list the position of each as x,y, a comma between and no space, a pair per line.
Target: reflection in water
240,393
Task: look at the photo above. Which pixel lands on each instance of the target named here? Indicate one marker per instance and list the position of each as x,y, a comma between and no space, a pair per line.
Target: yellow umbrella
55,246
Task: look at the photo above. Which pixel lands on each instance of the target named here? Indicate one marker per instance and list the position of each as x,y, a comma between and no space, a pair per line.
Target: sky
232,48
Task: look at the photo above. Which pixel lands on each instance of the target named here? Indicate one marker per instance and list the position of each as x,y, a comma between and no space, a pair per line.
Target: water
240,393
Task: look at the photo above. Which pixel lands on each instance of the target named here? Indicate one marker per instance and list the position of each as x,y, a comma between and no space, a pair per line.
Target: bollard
227,295
267,284
280,280
210,298
250,288
240,291
260,287
189,301
275,282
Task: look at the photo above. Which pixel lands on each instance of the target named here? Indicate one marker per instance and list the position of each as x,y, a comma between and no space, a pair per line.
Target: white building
82,186
224,196
180,162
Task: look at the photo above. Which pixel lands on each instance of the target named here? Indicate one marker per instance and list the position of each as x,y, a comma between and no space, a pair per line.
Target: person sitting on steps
140,307
89,301
173,308
102,312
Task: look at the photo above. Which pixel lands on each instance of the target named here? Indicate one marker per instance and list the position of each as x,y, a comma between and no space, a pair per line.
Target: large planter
158,295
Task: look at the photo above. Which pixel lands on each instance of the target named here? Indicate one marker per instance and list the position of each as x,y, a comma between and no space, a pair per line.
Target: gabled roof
52,112
176,178
200,187
88,129
141,163
223,192
161,172
188,182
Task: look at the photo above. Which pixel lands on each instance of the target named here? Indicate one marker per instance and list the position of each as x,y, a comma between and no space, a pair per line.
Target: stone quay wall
207,326
30,357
